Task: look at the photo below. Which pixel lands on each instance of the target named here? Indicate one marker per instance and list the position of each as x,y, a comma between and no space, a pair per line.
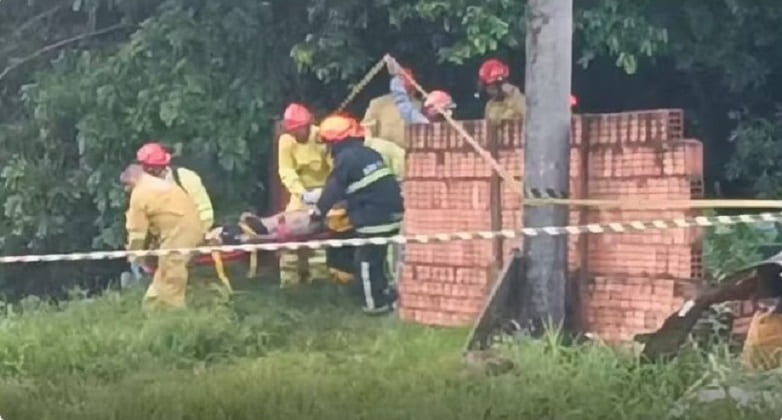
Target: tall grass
309,354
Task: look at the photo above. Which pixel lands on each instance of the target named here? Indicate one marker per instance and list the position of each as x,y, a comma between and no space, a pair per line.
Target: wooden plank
497,307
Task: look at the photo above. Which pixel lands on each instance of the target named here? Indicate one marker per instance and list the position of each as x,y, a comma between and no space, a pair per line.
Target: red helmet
338,127
153,154
296,116
573,101
493,71
439,99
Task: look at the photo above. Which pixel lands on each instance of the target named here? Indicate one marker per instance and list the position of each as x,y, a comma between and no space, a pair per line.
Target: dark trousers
372,275
342,258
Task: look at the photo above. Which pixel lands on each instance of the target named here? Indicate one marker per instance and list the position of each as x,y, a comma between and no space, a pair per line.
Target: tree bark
547,154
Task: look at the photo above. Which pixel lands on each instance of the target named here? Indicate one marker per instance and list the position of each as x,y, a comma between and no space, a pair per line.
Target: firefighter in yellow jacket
304,166
156,161
383,118
161,209
506,102
393,155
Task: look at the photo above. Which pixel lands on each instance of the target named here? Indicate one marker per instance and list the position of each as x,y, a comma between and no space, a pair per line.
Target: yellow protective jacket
191,182
383,119
393,155
512,107
302,166
763,345
160,208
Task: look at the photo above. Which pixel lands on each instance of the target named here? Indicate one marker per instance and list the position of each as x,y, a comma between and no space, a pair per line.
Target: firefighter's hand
248,216
392,65
312,196
314,214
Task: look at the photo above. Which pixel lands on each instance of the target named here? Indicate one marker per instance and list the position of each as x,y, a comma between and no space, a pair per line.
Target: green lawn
308,354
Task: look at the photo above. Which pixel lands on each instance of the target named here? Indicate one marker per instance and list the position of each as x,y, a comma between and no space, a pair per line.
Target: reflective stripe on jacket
369,188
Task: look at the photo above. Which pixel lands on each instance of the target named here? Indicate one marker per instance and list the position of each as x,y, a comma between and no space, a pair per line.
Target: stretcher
294,226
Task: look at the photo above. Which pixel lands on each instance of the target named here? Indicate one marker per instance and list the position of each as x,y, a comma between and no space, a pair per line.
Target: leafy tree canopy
84,82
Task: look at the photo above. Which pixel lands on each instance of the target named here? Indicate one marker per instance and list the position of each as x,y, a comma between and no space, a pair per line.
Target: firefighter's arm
371,119
202,200
522,104
287,166
397,161
137,224
404,104
334,191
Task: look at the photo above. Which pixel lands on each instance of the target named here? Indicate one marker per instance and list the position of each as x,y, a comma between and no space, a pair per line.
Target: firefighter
161,209
383,119
303,165
412,113
506,102
156,161
373,199
340,259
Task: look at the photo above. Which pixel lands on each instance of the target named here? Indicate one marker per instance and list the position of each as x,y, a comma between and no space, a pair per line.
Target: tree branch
58,45
26,25
41,16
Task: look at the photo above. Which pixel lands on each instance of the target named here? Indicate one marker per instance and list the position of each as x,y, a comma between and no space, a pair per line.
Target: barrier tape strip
597,228
544,194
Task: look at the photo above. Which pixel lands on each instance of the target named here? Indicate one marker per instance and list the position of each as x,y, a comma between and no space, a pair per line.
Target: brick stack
447,189
636,279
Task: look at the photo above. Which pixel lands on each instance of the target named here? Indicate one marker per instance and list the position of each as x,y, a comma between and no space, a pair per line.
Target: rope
362,84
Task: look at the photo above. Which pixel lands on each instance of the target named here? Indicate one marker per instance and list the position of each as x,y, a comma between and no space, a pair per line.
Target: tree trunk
547,153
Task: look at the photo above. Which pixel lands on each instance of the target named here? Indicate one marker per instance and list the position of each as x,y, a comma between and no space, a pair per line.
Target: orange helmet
338,127
493,71
296,116
439,99
153,154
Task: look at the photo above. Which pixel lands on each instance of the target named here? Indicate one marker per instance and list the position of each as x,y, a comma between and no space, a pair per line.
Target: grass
269,354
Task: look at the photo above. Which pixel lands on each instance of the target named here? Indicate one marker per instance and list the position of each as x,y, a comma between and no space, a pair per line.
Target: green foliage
207,78
311,354
620,29
727,249
757,155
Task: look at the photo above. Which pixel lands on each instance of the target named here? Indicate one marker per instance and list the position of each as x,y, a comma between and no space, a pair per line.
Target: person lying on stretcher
291,225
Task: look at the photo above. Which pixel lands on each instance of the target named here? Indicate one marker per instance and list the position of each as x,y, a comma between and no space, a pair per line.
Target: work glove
135,268
314,214
312,196
392,65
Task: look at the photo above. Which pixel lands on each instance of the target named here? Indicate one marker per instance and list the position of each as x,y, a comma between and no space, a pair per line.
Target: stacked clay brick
634,280
638,279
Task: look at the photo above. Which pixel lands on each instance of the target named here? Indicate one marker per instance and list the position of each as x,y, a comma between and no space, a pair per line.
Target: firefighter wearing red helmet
374,203
156,161
436,100
506,102
383,118
303,165
161,209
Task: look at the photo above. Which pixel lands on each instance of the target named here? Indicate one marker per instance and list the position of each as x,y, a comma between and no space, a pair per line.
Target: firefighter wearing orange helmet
303,165
506,102
374,203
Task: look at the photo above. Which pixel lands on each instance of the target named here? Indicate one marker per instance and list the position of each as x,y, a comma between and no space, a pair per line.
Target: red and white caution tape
596,228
